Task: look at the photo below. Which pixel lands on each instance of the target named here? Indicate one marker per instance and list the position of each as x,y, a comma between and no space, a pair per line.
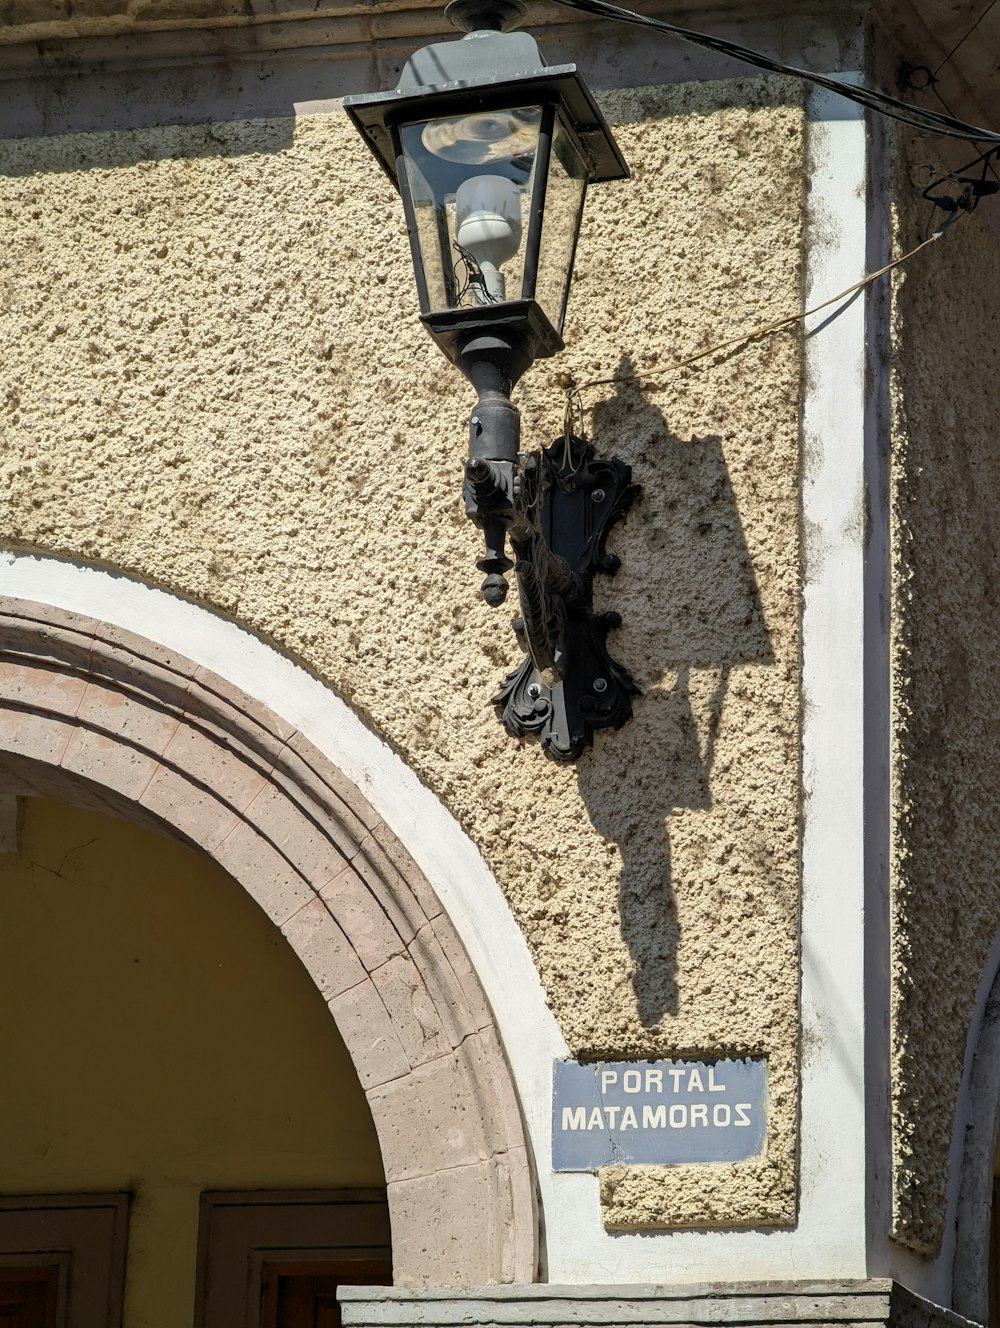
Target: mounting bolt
600,684
534,691
597,495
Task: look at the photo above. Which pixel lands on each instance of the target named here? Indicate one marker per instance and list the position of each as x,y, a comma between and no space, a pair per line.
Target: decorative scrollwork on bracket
569,685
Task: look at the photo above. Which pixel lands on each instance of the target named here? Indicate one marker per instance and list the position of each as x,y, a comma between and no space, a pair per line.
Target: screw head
534,691
600,684
597,495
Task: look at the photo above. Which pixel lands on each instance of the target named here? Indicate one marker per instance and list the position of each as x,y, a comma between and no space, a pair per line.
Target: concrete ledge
871,1302
144,63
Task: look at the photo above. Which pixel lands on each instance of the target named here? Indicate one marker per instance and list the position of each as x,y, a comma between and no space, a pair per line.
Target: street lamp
491,152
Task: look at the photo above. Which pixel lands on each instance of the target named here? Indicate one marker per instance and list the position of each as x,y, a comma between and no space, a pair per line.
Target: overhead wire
918,117
933,85
962,40
932,74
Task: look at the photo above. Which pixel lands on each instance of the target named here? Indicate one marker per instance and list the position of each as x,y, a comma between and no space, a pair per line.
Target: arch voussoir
367,1029
327,954
386,884
366,924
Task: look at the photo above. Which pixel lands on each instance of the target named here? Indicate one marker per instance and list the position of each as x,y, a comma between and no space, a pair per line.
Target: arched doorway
100,719
167,1061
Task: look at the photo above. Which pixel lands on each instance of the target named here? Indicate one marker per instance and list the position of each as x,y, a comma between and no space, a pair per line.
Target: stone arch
99,717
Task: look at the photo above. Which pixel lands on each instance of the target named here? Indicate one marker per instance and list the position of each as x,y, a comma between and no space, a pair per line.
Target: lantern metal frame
451,328
554,506
488,70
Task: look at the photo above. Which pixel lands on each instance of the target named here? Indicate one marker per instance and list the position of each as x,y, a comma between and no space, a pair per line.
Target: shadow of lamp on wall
492,152
691,557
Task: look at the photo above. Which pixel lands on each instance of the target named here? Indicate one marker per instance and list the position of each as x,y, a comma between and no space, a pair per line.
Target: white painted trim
833,1177
829,1240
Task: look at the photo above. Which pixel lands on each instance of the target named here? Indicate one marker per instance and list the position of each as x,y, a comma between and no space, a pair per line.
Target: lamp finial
485,15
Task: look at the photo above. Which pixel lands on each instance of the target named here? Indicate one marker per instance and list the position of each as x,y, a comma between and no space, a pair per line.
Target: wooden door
274,1259
304,1295
29,1296
62,1260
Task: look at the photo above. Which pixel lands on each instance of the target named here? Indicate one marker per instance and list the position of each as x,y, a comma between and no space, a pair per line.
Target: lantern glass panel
471,179
567,185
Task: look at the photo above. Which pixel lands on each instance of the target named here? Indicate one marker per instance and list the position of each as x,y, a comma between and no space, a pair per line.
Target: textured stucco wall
945,690
213,377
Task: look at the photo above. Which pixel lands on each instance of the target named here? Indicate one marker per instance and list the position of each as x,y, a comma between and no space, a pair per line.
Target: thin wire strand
962,42
574,401
934,89
918,117
932,86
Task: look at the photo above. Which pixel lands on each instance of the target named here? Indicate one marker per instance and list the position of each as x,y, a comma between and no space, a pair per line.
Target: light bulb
485,136
488,228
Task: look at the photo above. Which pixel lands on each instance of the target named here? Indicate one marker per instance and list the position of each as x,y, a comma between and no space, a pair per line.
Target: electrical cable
574,408
973,190
963,40
933,85
917,117
931,81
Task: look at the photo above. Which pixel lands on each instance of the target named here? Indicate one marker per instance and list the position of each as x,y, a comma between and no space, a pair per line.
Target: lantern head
491,152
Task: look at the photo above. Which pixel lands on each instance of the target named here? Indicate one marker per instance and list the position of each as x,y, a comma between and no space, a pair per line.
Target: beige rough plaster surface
212,376
946,695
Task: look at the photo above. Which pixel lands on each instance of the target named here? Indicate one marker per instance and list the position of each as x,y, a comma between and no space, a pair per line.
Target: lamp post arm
569,685
554,508
505,496
493,365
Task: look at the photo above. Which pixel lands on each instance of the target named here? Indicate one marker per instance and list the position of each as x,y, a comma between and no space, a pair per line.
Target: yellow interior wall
159,1036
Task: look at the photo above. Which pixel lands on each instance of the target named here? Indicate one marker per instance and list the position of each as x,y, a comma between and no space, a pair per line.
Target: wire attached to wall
931,84
931,80
973,188
918,117
574,413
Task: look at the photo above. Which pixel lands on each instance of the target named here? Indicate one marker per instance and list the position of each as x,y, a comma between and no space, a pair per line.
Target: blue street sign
605,1113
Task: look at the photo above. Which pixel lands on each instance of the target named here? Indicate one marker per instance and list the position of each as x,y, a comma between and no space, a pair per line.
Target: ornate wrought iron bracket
557,508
